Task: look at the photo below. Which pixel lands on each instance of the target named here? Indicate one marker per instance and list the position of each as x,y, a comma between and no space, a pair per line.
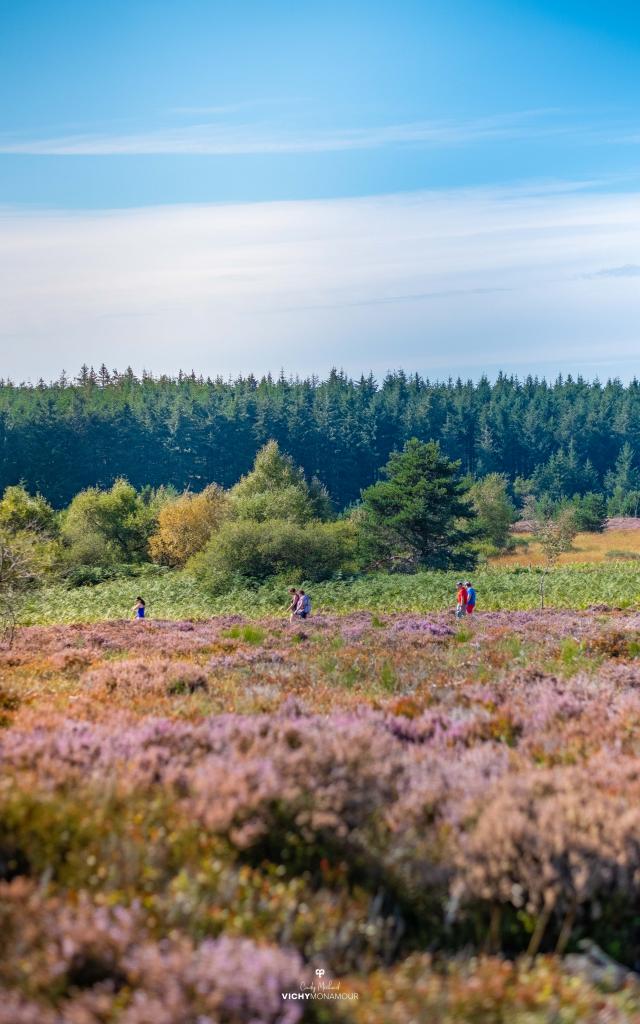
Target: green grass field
174,595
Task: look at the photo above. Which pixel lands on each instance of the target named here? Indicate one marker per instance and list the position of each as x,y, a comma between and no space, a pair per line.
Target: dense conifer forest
563,438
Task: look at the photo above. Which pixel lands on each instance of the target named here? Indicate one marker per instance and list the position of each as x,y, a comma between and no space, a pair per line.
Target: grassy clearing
610,546
174,595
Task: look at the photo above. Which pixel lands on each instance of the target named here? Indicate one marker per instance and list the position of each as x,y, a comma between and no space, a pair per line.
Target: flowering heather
101,963
139,676
196,814
424,627
558,839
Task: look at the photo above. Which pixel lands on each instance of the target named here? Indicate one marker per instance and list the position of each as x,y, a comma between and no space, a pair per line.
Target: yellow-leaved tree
186,524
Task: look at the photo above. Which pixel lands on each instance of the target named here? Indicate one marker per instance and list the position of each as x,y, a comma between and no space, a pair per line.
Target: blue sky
257,147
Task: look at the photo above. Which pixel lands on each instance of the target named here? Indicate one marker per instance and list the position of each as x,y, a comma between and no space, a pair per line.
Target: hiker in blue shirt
303,608
471,598
138,608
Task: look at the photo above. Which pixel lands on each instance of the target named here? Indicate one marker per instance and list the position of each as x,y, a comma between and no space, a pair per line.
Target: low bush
88,963
92,575
246,551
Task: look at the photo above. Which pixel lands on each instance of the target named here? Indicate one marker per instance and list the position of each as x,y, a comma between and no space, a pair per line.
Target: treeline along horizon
566,437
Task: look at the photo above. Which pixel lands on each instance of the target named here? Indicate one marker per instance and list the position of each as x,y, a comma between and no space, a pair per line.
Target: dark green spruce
563,438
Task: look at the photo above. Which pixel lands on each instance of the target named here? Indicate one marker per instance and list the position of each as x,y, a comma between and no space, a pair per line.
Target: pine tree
418,513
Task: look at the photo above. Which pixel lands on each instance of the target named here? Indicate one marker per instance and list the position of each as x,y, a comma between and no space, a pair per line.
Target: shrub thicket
245,551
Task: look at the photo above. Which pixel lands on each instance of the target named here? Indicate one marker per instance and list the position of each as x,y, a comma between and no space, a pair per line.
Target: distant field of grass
612,545
174,595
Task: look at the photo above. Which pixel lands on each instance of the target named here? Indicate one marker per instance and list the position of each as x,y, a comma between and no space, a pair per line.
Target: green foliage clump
250,634
103,528
618,554
555,529
247,551
20,511
277,489
590,512
276,526
418,514
28,550
24,561
495,511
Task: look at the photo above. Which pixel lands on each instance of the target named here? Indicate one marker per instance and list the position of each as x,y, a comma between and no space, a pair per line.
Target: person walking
471,598
304,605
138,609
461,606
293,607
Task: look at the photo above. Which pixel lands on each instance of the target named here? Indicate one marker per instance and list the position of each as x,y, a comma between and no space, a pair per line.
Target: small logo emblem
320,972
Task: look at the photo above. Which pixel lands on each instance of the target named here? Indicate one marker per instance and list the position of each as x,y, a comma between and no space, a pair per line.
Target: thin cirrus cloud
458,281
628,270
385,300
210,139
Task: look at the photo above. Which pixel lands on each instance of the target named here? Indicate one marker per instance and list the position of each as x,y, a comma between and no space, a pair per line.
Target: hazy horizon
72,377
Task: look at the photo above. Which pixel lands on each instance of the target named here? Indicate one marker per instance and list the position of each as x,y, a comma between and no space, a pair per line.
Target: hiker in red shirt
462,600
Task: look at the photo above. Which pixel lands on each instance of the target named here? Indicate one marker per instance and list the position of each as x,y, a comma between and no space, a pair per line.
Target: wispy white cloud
447,282
224,139
628,270
403,297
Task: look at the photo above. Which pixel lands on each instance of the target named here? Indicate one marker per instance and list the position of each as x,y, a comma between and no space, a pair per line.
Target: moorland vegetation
199,813
195,817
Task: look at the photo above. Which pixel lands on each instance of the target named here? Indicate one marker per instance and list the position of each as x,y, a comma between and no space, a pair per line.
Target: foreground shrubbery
427,815
344,795
489,990
76,963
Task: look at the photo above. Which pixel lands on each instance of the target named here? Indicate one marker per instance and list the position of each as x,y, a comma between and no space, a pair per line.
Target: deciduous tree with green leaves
248,551
494,509
106,527
554,532
23,562
277,489
20,511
